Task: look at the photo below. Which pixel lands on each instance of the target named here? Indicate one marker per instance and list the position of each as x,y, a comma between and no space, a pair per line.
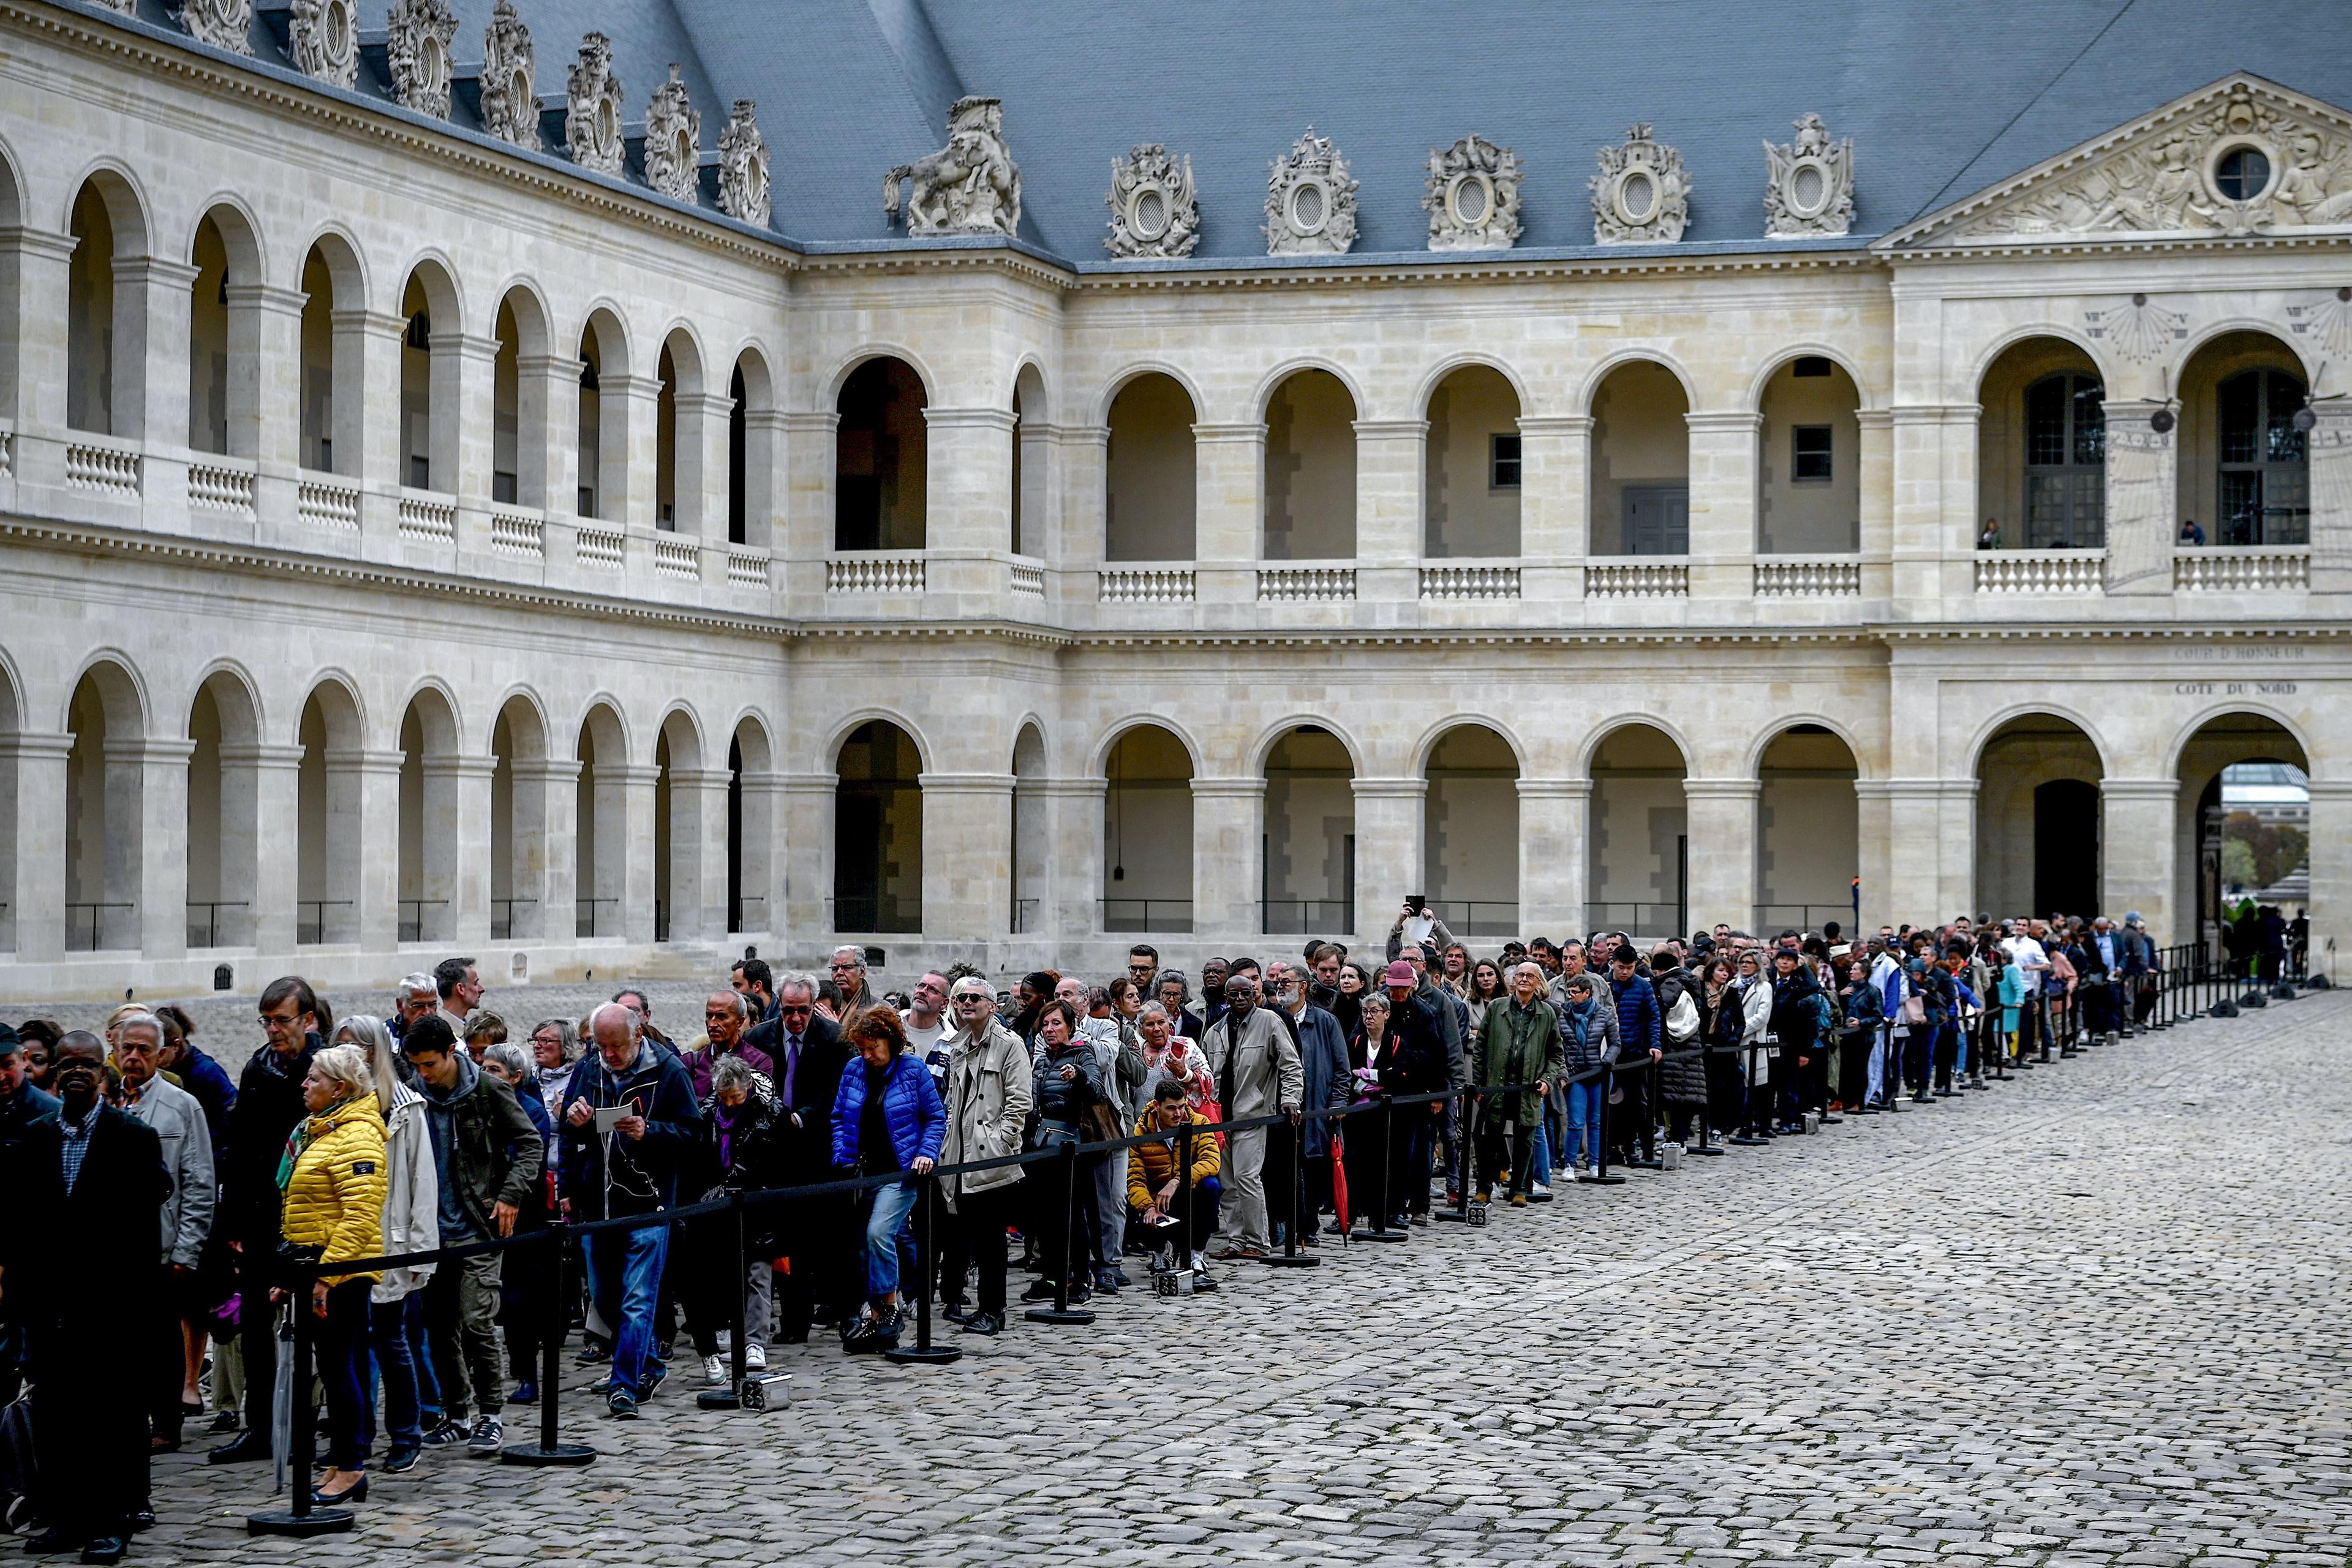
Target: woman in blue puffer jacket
886,1117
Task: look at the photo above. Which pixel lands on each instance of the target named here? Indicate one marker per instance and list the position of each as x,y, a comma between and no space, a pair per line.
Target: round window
1805,190
1473,200
682,150
2242,174
518,100
337,31
1638,196
1308,207
608,127
429,63
1148,218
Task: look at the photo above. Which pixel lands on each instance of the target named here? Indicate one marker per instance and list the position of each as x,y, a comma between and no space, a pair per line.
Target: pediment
2244,156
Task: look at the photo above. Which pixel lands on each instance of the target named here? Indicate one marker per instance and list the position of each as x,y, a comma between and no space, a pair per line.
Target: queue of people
184,1212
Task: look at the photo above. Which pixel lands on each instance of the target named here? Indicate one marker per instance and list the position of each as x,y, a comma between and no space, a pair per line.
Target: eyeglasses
789,1011
843,968
970,999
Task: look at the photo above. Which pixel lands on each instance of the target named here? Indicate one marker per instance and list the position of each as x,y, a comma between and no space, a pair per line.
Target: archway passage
105,810
429,822
329,795
603,433
1148,833
1471,484
518,824
1310,469
1032,469
750,828
1809,484
1470,832
334,384
105,314
2243,844
1808,831
880,459
222,841
1640,834
878,834
1032,901
599,843
1309,849
2042,447
2245,475
1641,463
1151,480
2039,819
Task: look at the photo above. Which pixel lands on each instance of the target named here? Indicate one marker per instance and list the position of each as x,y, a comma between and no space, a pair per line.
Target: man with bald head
627,1166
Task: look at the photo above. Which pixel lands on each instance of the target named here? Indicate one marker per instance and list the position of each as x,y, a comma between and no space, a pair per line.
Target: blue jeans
420,1356
624,1271
1540,1152
395,1370
1584,1122
886,1232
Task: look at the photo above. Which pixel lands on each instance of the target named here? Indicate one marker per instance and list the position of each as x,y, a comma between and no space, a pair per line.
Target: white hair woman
333,1181
411,1208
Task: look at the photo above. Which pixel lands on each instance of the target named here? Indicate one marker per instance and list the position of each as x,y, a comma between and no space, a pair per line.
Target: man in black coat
87,1187
809,1055
269,1105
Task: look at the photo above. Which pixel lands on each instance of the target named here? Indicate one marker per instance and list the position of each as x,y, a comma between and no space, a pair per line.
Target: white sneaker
714,1370
1538,1190
755,1358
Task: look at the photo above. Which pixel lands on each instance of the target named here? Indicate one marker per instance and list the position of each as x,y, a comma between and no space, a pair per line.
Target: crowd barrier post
922,1353
1378,1229
1601,1176
1466,1159
302,1518
1061,1311
1290,1257
1185,1192
731,1396
550,1449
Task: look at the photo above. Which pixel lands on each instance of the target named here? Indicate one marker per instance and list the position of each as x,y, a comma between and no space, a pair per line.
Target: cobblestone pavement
2094,1316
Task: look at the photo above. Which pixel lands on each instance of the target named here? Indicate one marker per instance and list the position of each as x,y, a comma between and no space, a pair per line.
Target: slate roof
1942,100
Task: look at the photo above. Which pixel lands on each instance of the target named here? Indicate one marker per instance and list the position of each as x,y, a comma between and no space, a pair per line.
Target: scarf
307,1132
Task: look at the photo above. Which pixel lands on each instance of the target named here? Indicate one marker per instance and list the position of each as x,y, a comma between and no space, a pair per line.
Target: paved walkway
2097,1316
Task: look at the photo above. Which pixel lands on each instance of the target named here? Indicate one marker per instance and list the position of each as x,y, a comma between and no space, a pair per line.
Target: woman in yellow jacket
332,1183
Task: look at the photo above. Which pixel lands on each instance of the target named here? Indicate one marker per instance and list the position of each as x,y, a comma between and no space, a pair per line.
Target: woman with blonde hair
411,1223
332,1182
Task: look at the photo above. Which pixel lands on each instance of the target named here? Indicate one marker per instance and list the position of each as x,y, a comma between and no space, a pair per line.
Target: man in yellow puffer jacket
333,1181
1152,1175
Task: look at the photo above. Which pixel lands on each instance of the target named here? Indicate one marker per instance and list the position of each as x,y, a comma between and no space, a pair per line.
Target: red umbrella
1339,1184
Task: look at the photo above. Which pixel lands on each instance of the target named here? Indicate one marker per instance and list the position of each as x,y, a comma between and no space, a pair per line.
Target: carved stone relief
2247,164
743,166
1153,209
1641,196
325,38
1310,201
1809,186
592,108
223,24
509,86
1473,197
673,141
970,187
2327,321
418,51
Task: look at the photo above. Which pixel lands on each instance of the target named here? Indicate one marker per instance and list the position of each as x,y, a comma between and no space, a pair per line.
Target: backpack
1682,1018
1823,1016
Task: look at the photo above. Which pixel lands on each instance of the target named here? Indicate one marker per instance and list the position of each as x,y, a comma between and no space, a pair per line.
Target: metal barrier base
1077,1317
318,1521
1594,1178
916,1356
537,1453
1368,1235
718,1399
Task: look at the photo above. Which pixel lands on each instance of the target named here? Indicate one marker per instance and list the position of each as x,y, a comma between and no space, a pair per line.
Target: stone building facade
421,541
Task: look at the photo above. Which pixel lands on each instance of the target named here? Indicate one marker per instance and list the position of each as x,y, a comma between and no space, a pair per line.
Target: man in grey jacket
1256,1070
178,1121
988,1099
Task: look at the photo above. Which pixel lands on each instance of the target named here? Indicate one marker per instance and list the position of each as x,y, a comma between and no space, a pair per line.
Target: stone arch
2041,444
1639,469
2039,816
1029,853
684,821
223,835
877,860
106,311
522,780
1309,878
2234,707
1639,828
603,433
1808,825
333,354
2243,828
1033,459
679,411
1752,761
2000,719
1808,456
753,820
753,445
881,474
1270,733
1128,374
1471,462
1588,389
1869,396
431,368
1601,731
1438,730
1100,759
838,736
1310,415
519,412
850,364
431,825
105,816
1990,352
1151,472
600,821
330,842
12,215
2242,465
1470,826
1262,395
1148,768
224,330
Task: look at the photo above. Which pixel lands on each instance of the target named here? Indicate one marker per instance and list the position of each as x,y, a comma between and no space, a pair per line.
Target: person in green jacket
1520,1046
